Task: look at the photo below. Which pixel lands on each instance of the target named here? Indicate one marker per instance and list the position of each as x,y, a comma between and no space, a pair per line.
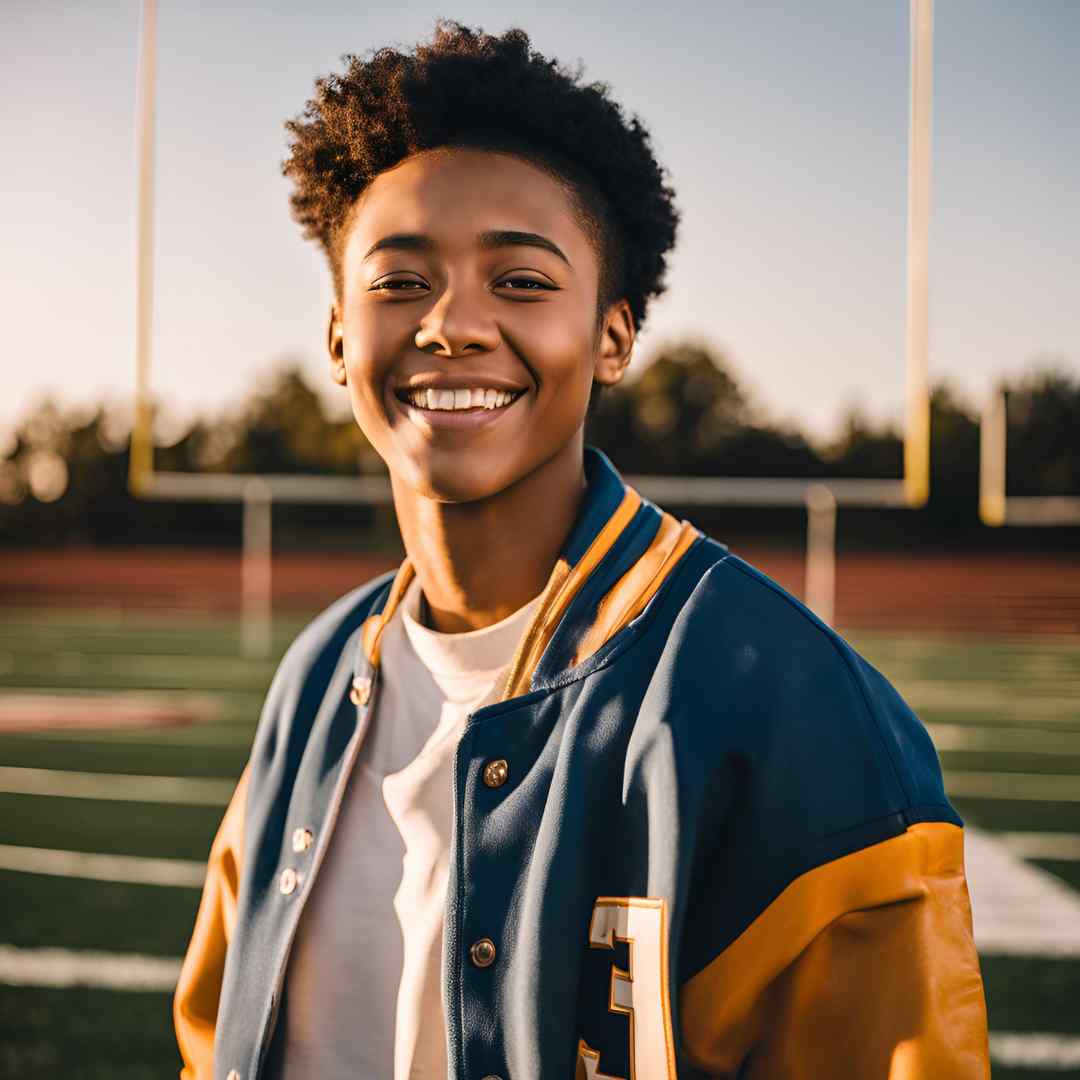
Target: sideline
1018,909
124,869
103,970
120,787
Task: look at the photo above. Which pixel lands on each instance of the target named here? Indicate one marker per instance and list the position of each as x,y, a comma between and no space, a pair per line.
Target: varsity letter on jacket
721,847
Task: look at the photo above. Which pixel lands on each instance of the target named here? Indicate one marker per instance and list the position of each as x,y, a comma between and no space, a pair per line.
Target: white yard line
1037,1050
1004,739
128,869
1018,909
109,971
117,786
1024,787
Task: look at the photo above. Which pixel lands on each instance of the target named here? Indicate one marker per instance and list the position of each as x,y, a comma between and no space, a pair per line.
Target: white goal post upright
820,498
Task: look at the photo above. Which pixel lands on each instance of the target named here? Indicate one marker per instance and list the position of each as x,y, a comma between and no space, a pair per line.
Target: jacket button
302,839
361,690
287,881
492,1077
496,772
482,952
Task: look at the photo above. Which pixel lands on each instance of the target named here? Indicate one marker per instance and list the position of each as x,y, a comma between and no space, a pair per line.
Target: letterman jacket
697,836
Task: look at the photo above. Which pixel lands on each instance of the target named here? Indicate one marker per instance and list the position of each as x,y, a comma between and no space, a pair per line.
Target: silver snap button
302,839
361,690
287,881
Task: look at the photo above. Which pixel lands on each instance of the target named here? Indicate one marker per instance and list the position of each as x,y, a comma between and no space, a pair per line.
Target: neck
480,561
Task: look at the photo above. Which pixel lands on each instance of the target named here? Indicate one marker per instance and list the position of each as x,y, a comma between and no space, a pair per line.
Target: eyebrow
494,238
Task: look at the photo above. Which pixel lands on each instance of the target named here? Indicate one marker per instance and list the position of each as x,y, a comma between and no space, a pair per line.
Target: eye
397,285
524,284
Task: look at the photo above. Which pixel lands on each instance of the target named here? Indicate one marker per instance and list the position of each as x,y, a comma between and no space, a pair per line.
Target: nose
458,322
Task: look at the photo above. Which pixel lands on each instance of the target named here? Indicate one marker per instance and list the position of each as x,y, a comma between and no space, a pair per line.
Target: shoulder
792,695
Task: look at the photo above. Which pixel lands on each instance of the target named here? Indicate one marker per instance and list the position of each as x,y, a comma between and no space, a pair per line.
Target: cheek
565,365
368,344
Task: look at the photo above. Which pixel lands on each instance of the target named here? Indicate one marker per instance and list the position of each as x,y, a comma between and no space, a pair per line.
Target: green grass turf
91,1033
1068,871
1032,994
69,913
1015,815
1004,761
138,759
83,1034
111,828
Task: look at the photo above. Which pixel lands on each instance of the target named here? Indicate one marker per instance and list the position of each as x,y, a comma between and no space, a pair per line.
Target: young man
573,792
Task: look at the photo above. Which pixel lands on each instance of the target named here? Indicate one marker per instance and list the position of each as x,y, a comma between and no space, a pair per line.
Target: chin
455,481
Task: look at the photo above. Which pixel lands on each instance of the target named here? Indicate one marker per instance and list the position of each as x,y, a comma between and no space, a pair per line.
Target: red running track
961,593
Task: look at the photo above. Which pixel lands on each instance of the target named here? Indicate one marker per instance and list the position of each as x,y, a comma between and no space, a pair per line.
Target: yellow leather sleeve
195,1003
862,969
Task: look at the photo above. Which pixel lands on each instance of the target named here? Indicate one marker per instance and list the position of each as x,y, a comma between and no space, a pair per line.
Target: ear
335,347
615,345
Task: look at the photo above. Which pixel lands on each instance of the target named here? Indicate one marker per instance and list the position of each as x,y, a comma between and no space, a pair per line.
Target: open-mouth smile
459,408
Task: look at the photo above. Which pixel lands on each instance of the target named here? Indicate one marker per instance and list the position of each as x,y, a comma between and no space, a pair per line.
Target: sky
783,127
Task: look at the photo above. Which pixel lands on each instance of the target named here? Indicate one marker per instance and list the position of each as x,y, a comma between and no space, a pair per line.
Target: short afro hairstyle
469,89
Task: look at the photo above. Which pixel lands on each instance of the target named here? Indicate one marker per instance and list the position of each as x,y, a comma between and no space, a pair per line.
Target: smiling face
471,270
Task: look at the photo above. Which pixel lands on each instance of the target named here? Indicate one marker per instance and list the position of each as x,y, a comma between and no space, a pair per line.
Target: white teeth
473,398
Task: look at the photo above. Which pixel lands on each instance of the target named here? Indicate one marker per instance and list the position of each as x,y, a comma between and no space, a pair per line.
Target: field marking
65,968
126,869
1024,787
214,734
165,693
1038,1050
115,786
1060,846
988,696
1018,909
1003,739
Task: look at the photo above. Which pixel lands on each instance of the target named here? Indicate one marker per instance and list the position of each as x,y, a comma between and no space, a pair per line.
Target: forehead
453,195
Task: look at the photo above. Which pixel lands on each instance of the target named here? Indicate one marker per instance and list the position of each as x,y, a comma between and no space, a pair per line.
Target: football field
104,830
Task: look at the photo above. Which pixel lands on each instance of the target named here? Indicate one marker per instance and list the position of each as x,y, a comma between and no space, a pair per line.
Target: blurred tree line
64,477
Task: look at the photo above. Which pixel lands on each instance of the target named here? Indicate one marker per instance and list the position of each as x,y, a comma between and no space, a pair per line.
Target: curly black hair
466,88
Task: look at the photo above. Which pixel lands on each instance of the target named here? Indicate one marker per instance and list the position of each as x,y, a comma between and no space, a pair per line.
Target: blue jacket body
722,847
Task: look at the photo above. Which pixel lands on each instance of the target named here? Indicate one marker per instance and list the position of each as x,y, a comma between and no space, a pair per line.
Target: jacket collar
618,552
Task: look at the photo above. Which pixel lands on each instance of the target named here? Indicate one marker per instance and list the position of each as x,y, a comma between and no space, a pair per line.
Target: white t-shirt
363,987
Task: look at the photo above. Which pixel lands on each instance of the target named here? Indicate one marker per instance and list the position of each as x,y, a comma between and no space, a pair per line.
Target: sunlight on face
471,267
